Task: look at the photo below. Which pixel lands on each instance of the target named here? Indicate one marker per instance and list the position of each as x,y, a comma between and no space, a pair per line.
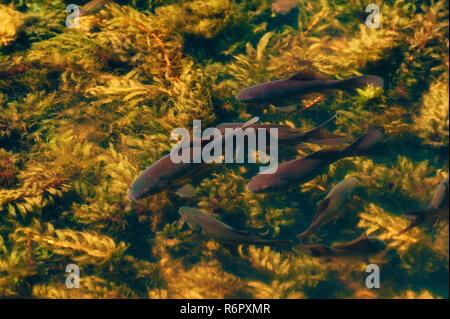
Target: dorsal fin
307,75
250,122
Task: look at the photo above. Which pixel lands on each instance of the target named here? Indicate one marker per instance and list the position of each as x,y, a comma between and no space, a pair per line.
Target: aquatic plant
432,122
84,111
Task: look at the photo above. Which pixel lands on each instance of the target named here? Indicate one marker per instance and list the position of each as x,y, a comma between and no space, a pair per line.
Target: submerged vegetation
83,111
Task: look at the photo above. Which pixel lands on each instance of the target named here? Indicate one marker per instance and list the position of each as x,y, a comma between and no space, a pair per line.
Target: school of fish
285,95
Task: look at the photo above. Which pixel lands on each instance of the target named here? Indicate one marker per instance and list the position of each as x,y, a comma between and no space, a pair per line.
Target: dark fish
284,6
292,136
92,7
214,228
286,93
161,174
158,177
331,206
304,169
437,209
362,246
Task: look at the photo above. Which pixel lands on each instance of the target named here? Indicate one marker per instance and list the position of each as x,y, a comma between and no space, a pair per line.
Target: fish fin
327,121
187,191
363,143
181,222
286,105
321,207
287,109
317,129
307,75
250,122
196,235
361,81
317,136
319,250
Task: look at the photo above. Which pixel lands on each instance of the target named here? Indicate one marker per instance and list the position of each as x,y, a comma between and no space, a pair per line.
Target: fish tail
360,82
416,214
304,237
363,143
412,225
319,251
131,197
417,217
317,136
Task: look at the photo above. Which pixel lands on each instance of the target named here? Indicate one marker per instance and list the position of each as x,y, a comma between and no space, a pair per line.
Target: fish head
143,186
189,215
183,211
352,182
348,187
262,183
248,95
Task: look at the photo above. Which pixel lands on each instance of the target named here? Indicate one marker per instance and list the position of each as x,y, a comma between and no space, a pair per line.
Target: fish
92,7
285,94
304,169
161,175
187,191
213,228
158,177
290,136
283,7
331,207
363,246
437,209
